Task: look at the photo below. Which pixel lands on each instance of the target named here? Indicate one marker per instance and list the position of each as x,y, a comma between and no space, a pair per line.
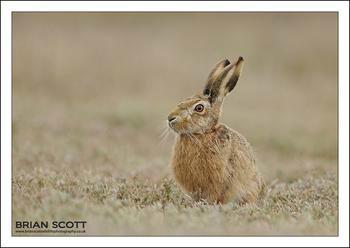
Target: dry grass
135,207
91,93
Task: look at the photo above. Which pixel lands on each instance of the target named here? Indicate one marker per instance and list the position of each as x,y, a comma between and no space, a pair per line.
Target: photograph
174,123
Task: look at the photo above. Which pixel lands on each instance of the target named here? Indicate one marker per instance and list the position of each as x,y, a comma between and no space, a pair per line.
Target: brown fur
210,161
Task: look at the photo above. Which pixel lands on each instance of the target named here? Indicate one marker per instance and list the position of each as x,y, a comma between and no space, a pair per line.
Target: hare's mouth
172,120
175,125
172,125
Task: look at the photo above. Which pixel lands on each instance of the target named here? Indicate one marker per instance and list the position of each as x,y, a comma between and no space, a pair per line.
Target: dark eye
199,108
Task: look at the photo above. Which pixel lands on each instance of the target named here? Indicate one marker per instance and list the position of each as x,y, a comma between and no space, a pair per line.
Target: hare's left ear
223,79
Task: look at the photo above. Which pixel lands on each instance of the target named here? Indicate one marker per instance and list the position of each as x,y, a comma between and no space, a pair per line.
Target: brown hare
210,161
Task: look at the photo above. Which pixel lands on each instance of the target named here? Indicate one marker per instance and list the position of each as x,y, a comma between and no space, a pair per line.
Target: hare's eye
199,108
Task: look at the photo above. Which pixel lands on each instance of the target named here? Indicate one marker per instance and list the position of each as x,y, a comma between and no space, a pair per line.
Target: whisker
164,134
164,138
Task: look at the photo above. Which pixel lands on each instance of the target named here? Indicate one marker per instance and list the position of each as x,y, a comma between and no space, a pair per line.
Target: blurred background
91,91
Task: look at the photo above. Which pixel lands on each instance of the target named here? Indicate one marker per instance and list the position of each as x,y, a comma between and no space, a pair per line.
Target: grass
91,93
131,206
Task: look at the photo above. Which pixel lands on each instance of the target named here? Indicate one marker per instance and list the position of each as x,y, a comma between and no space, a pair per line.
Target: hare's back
240,149
242,175
234,137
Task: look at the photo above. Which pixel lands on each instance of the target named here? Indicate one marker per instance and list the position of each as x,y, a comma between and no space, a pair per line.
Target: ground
91,93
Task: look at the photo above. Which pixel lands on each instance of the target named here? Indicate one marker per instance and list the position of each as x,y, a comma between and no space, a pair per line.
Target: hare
210,161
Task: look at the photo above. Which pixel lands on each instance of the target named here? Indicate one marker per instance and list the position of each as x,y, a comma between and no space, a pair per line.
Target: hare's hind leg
253,197
247,199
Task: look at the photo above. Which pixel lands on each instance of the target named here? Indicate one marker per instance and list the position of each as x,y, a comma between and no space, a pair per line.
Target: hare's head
200,113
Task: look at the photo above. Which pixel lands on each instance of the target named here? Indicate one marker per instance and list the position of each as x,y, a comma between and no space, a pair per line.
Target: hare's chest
198,167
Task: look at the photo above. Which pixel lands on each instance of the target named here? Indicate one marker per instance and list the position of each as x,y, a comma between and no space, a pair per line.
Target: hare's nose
171,118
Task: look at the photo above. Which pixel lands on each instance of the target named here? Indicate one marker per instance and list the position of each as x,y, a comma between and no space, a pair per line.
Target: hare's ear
222,80
218,68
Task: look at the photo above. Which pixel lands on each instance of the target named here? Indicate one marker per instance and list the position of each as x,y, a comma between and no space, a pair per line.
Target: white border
8,7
